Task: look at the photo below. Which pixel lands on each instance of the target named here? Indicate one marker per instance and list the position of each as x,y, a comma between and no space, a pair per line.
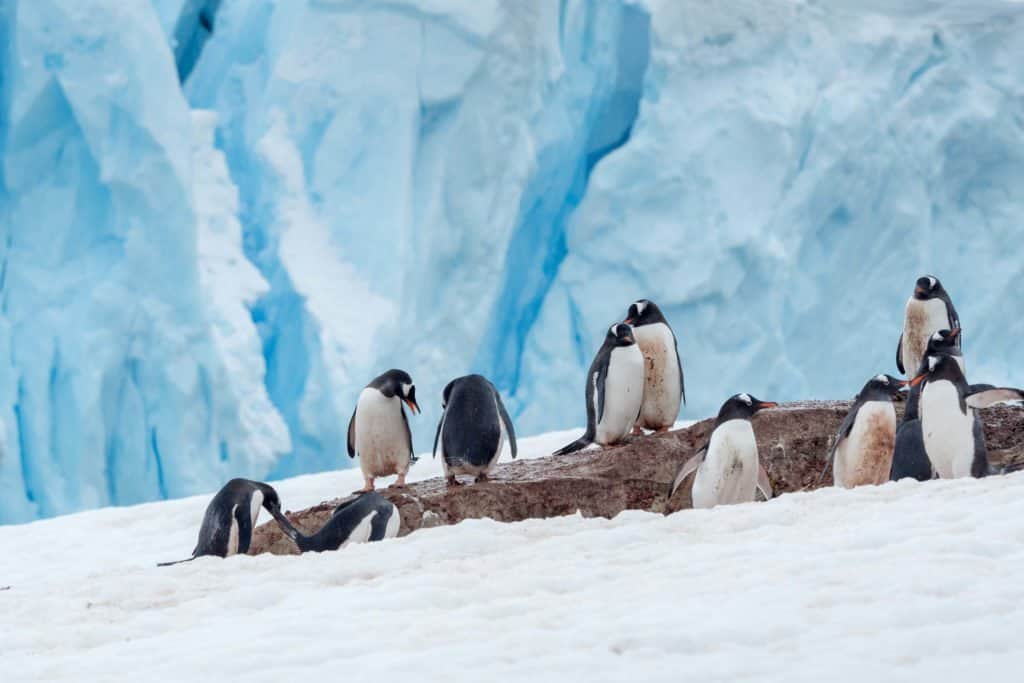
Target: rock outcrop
793,441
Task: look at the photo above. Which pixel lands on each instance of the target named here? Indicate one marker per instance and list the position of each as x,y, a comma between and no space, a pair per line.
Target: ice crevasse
221,218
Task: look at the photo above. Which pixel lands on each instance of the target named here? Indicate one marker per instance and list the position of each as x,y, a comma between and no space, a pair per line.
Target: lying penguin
614,391
727,466
230,518
367,517
863,447
472,428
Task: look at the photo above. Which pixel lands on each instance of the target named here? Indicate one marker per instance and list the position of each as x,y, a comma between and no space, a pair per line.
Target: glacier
221,218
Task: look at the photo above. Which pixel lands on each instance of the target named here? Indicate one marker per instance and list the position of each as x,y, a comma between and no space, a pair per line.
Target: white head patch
882,378
931,282
406,388
746,399
640,306
612,331
937,336
932,362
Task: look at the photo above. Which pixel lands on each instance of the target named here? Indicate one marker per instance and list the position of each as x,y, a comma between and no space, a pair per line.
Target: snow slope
903,582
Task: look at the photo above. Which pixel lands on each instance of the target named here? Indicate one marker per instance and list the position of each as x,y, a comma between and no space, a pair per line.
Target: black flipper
352,435
679,362
899,355
509,429
408,437
169,564
244,519
845,427
577,445
437,436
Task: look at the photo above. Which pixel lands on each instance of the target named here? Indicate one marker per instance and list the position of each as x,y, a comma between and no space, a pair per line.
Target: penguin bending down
472,428
230,518
727,466
615,390
863,448
929,310
379,429
952,431
663,369
366,517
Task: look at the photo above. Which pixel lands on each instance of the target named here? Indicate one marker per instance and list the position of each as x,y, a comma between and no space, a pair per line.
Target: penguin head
643,312
928,287
271,501
881,388
742,406
943,341
398,383
620,334
939,366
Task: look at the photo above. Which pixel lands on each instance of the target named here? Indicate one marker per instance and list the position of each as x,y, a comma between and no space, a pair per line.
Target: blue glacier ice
221,218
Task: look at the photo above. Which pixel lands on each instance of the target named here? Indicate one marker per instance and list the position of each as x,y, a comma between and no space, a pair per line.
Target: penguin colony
636,382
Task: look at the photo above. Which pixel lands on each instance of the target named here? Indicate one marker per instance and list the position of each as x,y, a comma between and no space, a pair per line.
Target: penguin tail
577,445
170,564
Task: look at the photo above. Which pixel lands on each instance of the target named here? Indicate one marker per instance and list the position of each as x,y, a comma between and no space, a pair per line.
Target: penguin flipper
679,362
845,427
245,522
437,435
352,435
408,437
899,355
509,429
688,468
954,320
987,396
764,484
170,564
577,445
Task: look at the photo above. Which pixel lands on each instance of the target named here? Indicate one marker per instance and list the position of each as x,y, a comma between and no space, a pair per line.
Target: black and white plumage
472,428
928,310
231,517
614,391
951,428
664,389
862,451
727,467
379,429
366,517
941,343
908,456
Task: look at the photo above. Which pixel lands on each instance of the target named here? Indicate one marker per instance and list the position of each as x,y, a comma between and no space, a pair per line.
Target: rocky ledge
792,439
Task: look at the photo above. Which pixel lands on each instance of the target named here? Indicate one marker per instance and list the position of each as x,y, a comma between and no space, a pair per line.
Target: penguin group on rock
635,383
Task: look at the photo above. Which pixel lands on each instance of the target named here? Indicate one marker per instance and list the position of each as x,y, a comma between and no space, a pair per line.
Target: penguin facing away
366,517
954,440
614,391
727,467
230,518
379,429
663,370
473,427
928,310
862,451
908,456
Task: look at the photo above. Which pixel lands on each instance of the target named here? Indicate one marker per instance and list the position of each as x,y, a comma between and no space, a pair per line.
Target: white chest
923,319
729,471
623,394
865,456
380,434
662,387
948,432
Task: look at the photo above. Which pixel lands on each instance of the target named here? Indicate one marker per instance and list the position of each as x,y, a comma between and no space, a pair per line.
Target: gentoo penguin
727,466
379,430
908,456
953,437
230,518
942,342
615,390
928,310
472,428
862,451
663,370
366,517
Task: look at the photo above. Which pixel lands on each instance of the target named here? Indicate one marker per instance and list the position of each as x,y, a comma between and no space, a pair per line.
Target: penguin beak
767,404
919,290
411,402
953,333
630,338
917,380
628,321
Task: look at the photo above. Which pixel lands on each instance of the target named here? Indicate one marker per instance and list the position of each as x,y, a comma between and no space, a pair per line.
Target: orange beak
954,332
917,380
919,290
628,321
768,404
412,405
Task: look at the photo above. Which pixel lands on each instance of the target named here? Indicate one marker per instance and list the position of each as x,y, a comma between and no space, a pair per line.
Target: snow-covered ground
908,581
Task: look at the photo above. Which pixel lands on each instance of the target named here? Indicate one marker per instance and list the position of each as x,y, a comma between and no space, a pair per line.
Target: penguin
908,456
473,427
379,429
614,392
366,517
727,466
941,342
928,310
230,518
863,447
951,428
663,369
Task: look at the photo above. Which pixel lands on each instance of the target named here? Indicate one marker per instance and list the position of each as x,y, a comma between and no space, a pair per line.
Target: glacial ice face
472,186
130,368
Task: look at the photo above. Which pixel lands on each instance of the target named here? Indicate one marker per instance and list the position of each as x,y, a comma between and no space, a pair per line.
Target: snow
471,186
904,582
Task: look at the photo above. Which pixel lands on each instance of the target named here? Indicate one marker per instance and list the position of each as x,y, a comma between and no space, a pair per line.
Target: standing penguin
952,431
863,448
379,430
230,518
472,428
615,390
663,370
909,458
941,343
727,466
366,517
929,309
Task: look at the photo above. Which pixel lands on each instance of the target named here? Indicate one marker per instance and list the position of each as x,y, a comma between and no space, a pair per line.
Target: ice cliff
221,218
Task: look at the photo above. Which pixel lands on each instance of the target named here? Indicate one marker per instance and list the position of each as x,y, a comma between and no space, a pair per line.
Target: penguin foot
661,430
367,488
452,481
637,431
399,483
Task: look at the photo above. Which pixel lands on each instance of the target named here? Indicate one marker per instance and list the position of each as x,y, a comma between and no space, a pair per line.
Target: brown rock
792,439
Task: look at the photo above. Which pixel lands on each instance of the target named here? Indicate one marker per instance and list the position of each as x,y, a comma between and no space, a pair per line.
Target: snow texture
904,582
472,186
